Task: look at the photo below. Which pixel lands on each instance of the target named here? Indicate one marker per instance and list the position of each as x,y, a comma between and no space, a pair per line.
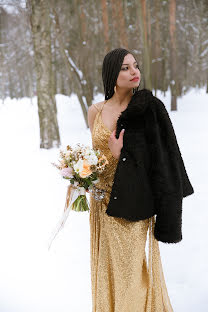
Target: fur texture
150,177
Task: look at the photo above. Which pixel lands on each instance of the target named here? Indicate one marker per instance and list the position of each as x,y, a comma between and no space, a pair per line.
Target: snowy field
33,279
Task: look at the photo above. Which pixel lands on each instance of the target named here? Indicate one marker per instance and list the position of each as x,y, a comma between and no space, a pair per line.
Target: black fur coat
150,178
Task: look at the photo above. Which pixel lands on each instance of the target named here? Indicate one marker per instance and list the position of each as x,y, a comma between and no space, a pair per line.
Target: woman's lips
135,79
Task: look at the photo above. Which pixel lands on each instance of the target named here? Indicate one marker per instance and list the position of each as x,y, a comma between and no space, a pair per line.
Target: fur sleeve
170,179
170,144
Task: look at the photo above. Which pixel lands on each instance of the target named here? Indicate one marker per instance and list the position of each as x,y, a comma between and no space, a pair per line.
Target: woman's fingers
113,134
115,144
121,135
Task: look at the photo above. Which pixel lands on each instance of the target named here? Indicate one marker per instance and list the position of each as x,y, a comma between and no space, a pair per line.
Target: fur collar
137,105
136,108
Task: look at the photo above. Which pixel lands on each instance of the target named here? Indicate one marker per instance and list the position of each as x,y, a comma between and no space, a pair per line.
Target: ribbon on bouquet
71,196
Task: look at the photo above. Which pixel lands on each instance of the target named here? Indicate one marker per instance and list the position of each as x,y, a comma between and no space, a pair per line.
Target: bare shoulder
92,112
97,106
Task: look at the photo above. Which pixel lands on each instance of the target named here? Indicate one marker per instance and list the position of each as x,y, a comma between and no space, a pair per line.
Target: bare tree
146,48
2,61
82,91
41,33
105,24
161,36
173,56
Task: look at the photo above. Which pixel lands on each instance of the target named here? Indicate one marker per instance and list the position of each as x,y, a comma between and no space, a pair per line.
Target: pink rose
67,172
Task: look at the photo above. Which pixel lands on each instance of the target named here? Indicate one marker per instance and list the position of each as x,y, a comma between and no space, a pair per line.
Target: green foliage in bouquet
80,204
84,182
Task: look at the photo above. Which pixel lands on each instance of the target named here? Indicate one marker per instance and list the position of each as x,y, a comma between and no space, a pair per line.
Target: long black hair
110,70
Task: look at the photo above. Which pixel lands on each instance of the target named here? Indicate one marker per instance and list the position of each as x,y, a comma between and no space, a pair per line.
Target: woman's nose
133,70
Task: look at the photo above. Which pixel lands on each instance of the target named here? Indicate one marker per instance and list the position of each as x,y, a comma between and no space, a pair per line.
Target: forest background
51,55
57,47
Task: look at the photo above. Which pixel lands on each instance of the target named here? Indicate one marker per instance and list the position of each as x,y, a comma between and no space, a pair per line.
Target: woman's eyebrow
128,64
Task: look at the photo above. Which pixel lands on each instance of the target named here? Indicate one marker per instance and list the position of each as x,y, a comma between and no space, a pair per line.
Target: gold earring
115,89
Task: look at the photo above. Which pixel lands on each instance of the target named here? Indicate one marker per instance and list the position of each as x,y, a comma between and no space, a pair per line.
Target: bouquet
81,166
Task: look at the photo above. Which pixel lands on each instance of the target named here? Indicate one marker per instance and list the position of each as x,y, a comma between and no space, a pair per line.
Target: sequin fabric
122,280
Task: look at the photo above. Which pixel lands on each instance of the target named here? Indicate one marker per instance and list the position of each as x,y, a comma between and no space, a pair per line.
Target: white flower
92,159
90,156
78,166
88,150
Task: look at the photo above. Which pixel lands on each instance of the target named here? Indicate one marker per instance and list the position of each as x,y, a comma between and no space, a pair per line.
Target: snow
79,72
32,201
10,7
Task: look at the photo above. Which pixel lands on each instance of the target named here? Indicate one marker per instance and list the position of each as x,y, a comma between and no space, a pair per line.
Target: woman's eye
125,68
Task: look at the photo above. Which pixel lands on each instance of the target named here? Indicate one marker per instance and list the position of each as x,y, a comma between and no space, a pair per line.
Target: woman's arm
92,111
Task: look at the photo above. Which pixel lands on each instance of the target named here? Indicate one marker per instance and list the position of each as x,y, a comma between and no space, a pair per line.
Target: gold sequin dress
121,279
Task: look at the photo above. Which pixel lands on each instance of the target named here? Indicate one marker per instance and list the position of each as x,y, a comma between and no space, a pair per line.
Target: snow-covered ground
33,279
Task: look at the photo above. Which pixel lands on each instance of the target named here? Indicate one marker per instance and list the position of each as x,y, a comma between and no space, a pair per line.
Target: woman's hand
115,144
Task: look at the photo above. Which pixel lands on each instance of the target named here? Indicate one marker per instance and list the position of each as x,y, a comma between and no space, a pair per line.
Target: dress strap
100,109
96,107
103,106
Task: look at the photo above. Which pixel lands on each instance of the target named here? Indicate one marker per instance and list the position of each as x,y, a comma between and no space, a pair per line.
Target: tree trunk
2,73
157,52
207,84
147,59
173,57
71,67
115,36
41,31
123,37
149,32
105,25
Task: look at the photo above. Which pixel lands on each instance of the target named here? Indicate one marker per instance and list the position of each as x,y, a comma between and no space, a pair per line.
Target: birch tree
40,25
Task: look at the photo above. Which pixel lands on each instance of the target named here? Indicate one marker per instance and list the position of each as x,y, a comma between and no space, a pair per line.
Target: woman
121,279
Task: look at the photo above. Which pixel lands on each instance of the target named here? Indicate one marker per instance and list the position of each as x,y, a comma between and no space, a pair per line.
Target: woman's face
129,70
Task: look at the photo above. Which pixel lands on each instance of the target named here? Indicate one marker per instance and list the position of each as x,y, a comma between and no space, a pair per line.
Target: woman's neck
121,98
